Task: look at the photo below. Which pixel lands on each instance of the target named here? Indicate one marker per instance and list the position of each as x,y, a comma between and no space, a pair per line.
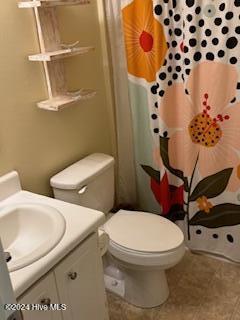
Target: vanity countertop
80,222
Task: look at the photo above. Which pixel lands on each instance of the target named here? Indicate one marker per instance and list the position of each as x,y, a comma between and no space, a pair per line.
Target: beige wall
39,143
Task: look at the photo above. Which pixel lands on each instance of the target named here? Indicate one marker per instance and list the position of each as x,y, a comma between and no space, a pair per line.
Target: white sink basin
29,231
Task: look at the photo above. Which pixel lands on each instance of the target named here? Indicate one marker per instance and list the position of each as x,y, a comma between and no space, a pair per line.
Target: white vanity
69,275
75,282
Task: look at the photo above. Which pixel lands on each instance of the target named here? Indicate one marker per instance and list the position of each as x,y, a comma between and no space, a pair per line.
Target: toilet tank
88,182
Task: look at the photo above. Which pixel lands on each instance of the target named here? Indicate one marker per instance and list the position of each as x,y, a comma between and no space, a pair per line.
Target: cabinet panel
80,283
44,289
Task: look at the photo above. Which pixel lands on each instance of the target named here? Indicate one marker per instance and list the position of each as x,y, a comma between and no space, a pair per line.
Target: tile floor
201,288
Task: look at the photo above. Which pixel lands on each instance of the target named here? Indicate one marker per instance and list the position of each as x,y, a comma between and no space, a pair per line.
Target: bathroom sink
29,231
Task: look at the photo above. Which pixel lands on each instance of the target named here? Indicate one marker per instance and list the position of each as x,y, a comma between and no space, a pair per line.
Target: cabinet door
80,283
44,292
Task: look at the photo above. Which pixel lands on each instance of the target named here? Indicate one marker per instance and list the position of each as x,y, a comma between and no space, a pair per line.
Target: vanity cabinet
80,283
77,282
44,292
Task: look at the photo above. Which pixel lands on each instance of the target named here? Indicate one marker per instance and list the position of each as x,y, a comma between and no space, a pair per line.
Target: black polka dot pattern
231,42
190,3
158,9
237,3
230,238
210,56
225,30
222,6
171,18
221,53
188,45
154,89
162,76
208,32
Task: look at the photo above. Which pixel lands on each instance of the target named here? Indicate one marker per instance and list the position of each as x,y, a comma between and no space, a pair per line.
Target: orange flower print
144,40
204,204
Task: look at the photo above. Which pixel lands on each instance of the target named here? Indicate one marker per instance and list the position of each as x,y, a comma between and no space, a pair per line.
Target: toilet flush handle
82,190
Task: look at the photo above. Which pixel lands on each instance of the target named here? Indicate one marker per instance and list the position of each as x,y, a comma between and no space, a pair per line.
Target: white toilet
142,245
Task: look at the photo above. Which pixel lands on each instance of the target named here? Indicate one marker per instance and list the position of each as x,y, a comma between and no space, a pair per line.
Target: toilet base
142,287
146,288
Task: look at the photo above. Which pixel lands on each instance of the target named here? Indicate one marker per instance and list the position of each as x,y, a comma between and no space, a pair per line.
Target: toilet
141,245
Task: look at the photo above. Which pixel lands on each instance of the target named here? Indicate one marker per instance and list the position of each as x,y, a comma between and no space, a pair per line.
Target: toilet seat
144,232
144,239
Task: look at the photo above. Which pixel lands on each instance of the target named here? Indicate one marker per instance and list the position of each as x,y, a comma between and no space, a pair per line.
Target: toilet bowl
141,245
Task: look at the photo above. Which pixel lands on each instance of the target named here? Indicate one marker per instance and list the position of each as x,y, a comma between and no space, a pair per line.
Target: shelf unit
50,3
52,54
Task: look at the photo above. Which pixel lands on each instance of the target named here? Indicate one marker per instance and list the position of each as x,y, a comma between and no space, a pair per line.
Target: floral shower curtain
183,60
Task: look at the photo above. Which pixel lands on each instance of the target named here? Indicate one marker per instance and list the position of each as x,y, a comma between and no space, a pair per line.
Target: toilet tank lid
81,172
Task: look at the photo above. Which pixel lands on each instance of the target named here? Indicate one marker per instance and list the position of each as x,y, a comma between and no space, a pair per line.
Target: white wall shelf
62,101
59,54
52,54
50,3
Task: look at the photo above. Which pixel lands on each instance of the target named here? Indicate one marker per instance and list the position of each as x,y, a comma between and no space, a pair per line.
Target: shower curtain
183,59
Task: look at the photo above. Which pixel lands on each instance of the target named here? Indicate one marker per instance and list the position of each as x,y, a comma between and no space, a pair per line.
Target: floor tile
215,311
236,313
201,288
